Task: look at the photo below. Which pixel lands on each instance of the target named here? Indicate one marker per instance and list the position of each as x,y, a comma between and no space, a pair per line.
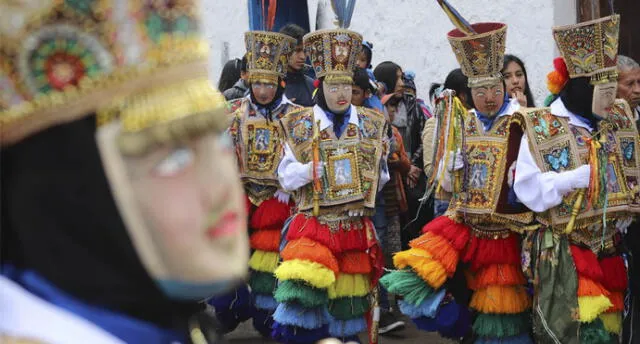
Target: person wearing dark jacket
241,87
299,85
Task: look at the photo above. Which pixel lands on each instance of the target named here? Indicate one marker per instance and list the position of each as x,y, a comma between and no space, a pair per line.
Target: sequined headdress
590,49
480,54
267,55
144,62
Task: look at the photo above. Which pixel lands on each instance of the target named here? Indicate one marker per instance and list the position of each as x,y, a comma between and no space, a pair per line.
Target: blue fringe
296,335
427,308
233,308
521,339
309,318
262,322
448,315
426,324
452,321
265,302
461,327
347,328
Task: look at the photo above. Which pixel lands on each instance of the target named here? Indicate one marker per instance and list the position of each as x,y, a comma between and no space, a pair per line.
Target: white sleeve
539,191
293,174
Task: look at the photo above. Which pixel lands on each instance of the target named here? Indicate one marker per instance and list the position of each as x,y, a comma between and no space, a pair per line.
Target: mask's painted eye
177,161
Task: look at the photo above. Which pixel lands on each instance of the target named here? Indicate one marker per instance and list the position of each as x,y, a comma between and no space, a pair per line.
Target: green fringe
501,325
347,308
297,291
407,284
594,333
262,282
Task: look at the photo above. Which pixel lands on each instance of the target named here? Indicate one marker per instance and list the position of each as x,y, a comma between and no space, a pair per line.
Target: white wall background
412,33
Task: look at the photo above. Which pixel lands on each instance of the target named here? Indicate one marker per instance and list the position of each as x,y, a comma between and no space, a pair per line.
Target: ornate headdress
590,49
63,60
267,55
480,54
334,52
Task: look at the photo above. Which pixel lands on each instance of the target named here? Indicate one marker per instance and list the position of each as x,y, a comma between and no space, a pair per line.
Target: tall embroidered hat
333,53
590,49
143,61
480,54
267,55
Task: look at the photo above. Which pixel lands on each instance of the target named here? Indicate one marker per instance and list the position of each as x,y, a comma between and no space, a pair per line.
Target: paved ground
245,334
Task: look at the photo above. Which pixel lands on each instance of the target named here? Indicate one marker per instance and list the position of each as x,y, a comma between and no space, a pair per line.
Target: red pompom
456,233
561,67
316,83
497,251
271,214
615,273
338,241
586,263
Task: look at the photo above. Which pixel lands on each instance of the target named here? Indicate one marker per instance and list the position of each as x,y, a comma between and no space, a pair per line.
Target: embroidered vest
558,146
259,149
352,161
490,157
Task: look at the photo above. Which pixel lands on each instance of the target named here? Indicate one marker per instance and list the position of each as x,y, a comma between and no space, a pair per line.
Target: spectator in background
516,81
241,87
364,62
299,87
629,83
361,89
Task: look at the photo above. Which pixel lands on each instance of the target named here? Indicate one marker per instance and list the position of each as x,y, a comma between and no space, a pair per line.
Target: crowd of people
313,194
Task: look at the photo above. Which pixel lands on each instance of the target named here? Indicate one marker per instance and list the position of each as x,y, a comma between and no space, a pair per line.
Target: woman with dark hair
459,82
516,81
391,76
230,74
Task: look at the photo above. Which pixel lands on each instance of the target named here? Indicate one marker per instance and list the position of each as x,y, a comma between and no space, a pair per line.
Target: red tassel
586,263
271,214
497,251
266,240
353,238
456,233
614,273
470,252
561,67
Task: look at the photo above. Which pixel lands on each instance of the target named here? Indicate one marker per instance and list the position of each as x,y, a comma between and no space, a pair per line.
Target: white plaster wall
412,33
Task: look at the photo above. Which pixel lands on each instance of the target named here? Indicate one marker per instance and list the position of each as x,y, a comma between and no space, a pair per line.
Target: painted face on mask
338,96
264,92
488,99
604,96
183,207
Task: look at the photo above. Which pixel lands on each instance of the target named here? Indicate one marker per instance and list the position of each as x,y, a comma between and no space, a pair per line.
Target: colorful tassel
427,308
426,324
614,273
348,285
521,339
456,233
265,302
612,322
594,333
291,291
588,287
266,240
296,335
232,308
317,275
264,261
617,299
351,238
590,307
347,308
501,300
586,263
501,325
347,328
406,283
429,269
307,249
460,327
448,315
439,248
294,315
495,251
354,262
262,282
270,215
499,274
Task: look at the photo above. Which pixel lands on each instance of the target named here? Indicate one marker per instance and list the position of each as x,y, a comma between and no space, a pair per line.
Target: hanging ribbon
458,21
344,11
269,14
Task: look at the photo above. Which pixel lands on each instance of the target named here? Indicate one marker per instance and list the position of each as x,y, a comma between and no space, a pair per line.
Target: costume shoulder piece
372,123
298,127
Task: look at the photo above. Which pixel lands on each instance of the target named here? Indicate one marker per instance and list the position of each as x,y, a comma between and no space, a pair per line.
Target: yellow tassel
592,306
350,285
264,261
313,273
423,263
612,322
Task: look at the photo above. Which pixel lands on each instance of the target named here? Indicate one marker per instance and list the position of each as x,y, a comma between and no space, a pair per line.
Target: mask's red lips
342,102
226,226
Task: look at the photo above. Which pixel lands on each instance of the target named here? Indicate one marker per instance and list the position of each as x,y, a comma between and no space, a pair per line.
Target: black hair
294,31
577,97
361,79
387,73
367,50
433,88
459,82
230,74
508,58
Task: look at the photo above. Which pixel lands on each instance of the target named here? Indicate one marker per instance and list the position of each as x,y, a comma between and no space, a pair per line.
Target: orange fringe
307,249
589,287
617,299
456,233
501,300
499,274
472,281
354,262
440,249
429,269
266,240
